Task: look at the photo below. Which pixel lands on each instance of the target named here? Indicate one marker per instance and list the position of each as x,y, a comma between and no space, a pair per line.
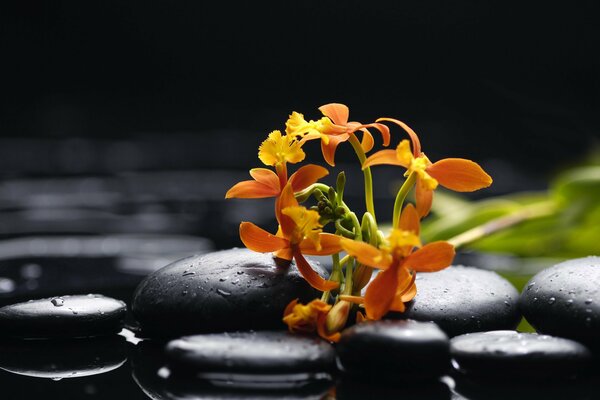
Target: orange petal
285,254
286,199
416,143
366,254
251,190
367,141
406,290
383,129
322,330
380,293
431,257
328,149
266,177
315,280
290,307
409,220
306,176
409,293
387,157
459,174
424,198
337,112
330,244
257,239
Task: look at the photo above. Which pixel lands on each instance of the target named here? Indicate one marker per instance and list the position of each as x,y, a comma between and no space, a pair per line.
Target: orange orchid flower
309,318
266,183
299,233
398,261
458,174
333,129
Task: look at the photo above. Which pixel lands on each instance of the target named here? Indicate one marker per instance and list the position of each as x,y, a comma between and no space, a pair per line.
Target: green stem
348,280
370,226
336,274
529,212
367,173
401,196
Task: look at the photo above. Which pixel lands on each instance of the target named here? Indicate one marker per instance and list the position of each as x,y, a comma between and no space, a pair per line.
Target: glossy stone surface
63,317
518,355
564,300
228,290
264,352
464,299
400,349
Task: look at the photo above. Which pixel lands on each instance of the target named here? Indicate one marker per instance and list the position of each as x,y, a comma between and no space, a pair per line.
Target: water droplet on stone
506,303
532,284
223,279
57,379
551,300
535,299
569,302
240,272
588,301
184,292
223,293
188,273
235,282
57,302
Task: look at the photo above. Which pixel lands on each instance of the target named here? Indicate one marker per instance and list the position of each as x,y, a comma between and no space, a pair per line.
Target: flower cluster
372,273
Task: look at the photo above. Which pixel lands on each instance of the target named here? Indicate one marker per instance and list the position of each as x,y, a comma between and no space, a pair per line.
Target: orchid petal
387,157
367,141
404,281
285,254
366,253
314,279
431,257
285,200
424,198
328,149
337,112
266,177
459,174
251,190
306,176
383,129
330,244
380,293
409,220
413,136
259,240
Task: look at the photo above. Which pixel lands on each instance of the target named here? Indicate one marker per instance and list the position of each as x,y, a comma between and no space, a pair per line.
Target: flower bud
337,317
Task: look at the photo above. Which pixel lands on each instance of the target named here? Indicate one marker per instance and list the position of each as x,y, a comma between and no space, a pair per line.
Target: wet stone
229,290
564,300
63,317
401,350
518,355
263,352
464,299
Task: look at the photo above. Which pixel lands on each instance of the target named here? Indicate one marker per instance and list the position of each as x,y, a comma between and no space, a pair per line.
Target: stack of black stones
209,326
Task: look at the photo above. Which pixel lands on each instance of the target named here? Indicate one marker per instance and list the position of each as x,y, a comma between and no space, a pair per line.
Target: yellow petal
431,257
403,154
459,174
278,149
306,176
306,225
257,239
366,254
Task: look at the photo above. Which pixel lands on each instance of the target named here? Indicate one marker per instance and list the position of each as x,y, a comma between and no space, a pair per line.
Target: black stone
228,290
403,350
464,299
58,359
515,355
357,388
63,317
264,352
564,300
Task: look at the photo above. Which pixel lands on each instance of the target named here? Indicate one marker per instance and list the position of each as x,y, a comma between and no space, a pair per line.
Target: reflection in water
355,389
58,359
147,360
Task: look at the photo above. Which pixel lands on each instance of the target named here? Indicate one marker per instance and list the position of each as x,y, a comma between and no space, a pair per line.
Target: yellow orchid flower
309,318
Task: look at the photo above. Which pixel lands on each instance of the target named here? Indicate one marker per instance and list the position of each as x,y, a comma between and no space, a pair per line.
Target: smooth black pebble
463,299
262,352
63,317
401,350
564,300
516,355
229,290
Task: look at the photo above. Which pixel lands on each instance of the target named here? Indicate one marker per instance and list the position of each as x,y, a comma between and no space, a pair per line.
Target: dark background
103,88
